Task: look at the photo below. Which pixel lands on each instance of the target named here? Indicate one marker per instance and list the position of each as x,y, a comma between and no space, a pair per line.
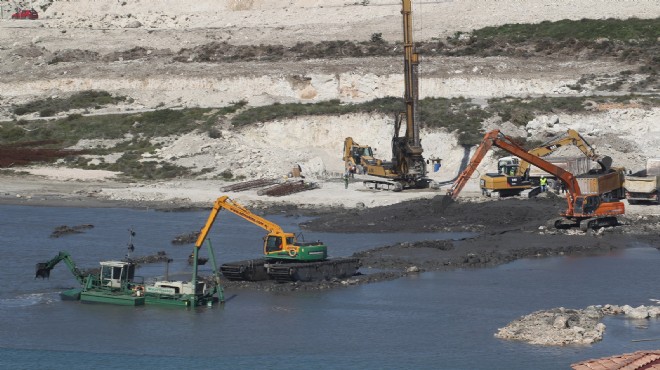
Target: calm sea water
438,320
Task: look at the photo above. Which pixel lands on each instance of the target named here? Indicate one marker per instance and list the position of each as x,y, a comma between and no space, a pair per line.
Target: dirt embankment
443,214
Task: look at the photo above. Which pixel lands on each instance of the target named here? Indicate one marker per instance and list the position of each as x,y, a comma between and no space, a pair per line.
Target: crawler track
284,271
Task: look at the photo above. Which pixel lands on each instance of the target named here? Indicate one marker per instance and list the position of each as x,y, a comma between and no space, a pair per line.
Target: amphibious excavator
117,284
408,167
596,207
513,175
285,258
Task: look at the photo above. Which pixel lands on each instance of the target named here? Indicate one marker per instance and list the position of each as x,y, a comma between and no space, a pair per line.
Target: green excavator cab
285,246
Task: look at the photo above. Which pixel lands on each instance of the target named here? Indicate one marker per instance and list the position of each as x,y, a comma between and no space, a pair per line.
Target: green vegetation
227,175
282,111
82,100
457,114
71,129
140,127
135,130
131,164
7,173
520,111
454,111
628,30
631,40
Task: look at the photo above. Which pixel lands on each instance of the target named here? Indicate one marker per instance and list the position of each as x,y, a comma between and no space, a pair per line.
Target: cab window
273,243
578,205
592,204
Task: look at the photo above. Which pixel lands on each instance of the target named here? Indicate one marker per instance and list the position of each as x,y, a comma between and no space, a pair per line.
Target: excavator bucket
534,192
42,271
605,163
440,203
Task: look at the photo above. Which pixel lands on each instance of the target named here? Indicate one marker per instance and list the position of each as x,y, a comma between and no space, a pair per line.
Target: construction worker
544,183
346,181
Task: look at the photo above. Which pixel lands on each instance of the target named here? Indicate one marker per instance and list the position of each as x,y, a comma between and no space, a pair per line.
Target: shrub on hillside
81,100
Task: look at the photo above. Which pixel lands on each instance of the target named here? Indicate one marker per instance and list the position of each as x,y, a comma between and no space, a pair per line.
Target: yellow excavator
359,155
513,176
284,257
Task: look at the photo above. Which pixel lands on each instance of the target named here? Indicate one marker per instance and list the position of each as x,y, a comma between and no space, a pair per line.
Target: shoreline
80,191
506,229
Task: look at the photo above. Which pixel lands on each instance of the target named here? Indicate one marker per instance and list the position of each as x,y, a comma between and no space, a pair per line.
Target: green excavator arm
43,268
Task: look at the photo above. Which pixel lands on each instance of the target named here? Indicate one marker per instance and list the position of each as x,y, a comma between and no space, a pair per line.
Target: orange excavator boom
496,138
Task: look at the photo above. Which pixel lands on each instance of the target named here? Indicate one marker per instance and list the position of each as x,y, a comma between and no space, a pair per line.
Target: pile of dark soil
443,214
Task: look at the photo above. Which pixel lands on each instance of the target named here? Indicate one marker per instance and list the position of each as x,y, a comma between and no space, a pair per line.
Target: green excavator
285,258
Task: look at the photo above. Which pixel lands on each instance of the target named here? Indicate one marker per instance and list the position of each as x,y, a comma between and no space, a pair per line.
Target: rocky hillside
153,53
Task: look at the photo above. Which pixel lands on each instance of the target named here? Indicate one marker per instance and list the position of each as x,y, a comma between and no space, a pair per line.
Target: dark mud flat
509,229
443,214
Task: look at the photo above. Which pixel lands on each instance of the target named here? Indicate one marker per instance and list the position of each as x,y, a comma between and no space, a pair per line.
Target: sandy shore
80,188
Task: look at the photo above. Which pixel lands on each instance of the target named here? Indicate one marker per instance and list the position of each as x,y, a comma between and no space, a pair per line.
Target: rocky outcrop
556,327
562,326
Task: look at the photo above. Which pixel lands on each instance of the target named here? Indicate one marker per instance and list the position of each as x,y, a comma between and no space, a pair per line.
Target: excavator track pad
597,222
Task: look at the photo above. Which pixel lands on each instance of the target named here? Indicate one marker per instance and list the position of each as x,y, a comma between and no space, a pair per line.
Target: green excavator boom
43,268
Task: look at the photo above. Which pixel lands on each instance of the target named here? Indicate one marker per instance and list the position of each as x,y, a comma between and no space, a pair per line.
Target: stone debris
562,326
556,327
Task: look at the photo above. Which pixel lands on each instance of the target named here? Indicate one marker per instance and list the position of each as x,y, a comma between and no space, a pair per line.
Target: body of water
435,320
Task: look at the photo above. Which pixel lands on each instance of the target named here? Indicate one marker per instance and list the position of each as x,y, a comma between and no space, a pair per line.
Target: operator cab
274,242
508,166
114,273
586,204
360,153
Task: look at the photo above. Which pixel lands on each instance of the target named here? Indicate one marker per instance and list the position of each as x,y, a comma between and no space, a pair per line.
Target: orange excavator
513,175
594,209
